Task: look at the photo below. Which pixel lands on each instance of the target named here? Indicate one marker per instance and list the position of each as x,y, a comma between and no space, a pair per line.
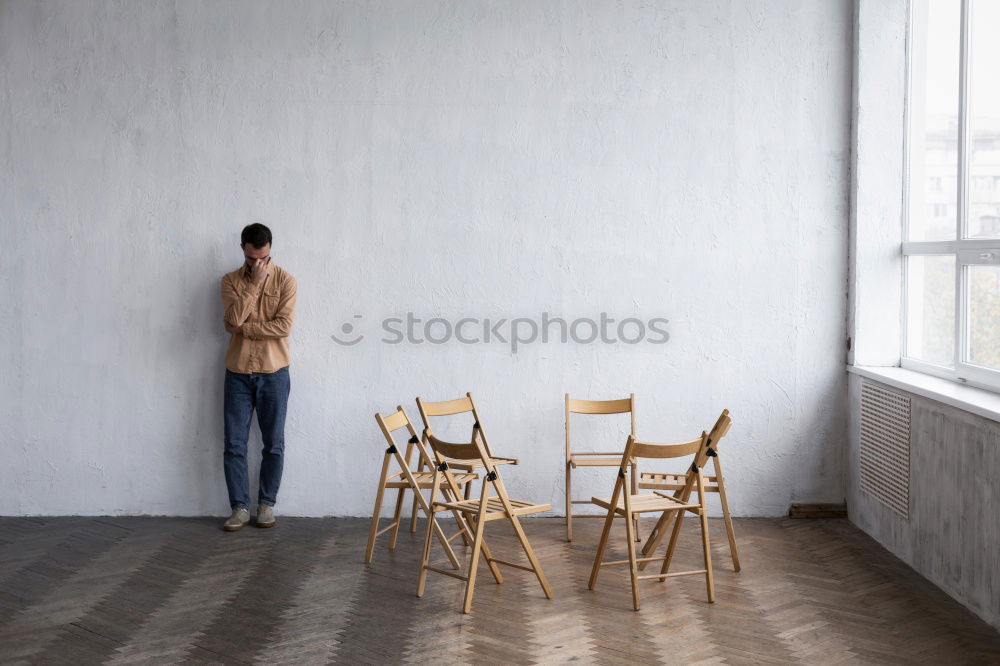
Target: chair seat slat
578,461
645,502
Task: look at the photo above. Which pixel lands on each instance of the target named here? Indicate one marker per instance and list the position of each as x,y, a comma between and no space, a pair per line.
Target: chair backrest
475,449
445,407
396,421
717,432
620,406
466,451
708,450
637,449
450,408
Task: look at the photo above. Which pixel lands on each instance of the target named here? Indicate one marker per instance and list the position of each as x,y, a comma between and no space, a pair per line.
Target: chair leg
672,545
494,569
370,547
535,566
569,505
635,491
396,517
655,537
488,554
413,514
733,550
470,584
464,526
444,543
706,548
633,566
726,516
600,549
454,493
425,560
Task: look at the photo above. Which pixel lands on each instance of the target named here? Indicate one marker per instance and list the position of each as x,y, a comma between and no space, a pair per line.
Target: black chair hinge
492,476
391,449
443,467
711,452
414,440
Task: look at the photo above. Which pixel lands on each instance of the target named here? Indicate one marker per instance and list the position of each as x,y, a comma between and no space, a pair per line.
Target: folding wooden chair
405,479
683,484
627,505
576,459
479,511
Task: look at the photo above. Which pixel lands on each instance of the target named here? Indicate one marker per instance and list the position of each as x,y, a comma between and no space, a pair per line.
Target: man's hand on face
234,330
260,270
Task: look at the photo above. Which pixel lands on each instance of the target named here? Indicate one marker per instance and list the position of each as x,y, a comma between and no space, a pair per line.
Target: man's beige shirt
265,312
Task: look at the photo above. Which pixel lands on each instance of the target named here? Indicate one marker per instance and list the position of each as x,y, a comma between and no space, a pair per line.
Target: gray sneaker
265,515
237,521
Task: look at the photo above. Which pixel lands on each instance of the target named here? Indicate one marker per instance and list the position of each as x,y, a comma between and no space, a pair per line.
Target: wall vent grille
885,447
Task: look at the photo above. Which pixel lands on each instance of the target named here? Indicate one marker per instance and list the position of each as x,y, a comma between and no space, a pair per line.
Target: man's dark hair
256,234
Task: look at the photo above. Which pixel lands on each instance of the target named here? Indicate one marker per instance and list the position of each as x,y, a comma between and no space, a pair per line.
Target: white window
952,246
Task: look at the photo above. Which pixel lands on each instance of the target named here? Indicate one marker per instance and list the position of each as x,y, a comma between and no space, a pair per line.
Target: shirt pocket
270,302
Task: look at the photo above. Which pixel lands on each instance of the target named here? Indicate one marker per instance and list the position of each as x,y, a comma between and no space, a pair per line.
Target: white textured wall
875,311
679,159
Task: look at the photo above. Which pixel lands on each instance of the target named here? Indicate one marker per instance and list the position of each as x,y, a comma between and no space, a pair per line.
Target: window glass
930,308
984,316
984,120
933,116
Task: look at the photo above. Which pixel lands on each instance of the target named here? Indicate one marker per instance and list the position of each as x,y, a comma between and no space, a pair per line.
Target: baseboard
817,511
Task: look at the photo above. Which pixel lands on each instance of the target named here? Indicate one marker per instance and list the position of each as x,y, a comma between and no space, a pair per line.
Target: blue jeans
268,394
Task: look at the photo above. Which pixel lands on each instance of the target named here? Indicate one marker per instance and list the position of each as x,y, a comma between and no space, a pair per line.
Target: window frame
966,251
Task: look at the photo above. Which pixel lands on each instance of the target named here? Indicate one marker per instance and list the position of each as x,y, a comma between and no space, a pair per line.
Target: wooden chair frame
405,479
479,511
576,459
627,504
684,484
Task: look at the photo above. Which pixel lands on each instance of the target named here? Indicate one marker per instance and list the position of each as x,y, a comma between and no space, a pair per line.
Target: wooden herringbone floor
163,590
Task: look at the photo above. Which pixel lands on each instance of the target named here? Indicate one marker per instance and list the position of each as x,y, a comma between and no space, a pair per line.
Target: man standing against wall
258,301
